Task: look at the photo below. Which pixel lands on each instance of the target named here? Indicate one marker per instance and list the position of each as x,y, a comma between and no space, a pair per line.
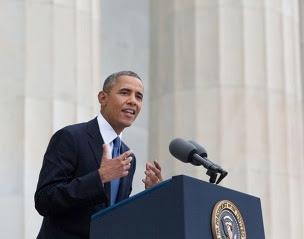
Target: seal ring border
217,209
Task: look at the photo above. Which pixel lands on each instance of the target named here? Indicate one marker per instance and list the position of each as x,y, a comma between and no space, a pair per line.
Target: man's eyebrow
124,89
127,89
141,94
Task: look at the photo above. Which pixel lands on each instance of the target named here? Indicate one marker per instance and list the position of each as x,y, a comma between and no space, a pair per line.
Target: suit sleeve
58,190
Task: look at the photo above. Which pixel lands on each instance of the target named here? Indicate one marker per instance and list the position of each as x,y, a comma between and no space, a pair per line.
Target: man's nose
132,99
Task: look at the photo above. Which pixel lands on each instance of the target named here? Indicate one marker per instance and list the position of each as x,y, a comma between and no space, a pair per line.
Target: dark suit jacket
69,189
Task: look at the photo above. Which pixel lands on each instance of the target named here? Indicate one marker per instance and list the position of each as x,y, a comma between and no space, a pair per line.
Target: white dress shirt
107,132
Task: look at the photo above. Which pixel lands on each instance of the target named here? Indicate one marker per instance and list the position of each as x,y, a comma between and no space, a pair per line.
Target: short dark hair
111,79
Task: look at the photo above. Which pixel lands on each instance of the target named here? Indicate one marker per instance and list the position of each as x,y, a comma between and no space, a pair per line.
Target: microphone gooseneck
192,152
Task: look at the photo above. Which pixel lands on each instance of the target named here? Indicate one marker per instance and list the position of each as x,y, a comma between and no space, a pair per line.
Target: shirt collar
107,132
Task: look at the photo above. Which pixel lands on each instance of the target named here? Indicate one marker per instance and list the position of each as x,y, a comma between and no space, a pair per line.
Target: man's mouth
129,111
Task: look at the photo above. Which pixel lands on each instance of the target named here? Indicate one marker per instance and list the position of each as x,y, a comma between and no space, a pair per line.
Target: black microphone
187,153
203,153
191,152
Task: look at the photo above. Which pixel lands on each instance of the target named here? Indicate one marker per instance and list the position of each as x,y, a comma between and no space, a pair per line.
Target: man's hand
114,168
153,174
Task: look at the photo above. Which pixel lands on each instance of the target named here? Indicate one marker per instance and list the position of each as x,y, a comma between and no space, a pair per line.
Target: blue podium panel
199,200
179,208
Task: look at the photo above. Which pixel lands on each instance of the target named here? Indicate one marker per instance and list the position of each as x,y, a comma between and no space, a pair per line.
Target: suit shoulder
76,130
67,132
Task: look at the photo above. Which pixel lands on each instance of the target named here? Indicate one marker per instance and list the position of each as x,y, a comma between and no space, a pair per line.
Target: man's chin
127,124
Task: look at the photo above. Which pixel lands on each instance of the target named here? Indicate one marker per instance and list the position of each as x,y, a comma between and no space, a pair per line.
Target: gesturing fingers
157,165
151,177
126,164
125,155
153,174
125,160
115,168
156,169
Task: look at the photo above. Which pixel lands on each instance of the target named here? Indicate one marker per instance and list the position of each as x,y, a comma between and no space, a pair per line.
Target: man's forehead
129,82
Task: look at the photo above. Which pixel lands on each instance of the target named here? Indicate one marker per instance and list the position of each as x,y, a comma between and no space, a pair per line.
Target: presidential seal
227,221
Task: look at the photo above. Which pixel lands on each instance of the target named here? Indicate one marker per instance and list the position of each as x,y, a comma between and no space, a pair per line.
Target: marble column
50,71
125,46
228,74
12,109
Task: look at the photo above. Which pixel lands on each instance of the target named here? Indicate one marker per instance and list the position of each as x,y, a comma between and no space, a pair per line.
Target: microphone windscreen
182,150
200,149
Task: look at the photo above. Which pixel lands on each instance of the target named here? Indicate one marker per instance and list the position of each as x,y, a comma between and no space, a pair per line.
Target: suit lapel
95,139
96,142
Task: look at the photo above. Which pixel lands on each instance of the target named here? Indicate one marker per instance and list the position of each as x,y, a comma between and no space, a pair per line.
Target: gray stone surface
125,46
244,103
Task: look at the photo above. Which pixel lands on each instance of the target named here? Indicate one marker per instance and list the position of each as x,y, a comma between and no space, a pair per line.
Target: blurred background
226,73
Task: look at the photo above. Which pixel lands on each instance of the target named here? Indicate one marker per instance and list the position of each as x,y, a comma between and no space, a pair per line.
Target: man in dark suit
87,167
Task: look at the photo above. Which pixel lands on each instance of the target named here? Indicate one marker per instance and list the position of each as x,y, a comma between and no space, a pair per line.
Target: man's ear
102,96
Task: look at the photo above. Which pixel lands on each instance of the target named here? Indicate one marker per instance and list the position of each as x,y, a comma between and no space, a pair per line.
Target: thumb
105,152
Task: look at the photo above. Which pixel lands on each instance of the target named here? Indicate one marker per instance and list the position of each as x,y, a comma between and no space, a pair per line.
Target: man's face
122,103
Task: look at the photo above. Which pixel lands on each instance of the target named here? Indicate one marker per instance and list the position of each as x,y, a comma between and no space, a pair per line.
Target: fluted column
227,73
12,86
172,99
50,76
125,46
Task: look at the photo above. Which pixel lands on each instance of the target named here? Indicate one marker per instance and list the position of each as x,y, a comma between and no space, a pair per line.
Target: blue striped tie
115,182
